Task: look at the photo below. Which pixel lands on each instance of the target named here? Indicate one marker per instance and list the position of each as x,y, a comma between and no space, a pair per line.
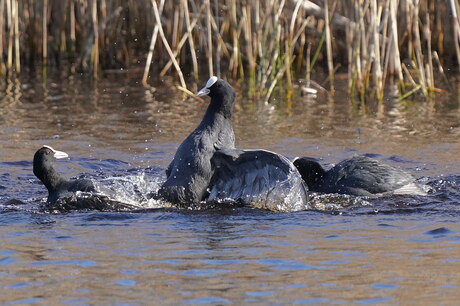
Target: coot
190,172
260,178
359,175
57,186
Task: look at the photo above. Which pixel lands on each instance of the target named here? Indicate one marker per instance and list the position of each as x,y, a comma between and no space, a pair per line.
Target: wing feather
256,178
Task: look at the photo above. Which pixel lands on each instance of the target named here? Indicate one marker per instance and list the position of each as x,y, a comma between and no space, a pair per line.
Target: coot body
190,172
359,175
58,187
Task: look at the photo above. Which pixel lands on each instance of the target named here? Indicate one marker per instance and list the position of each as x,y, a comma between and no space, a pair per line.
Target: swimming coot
190,172
57,186
261,178
359,175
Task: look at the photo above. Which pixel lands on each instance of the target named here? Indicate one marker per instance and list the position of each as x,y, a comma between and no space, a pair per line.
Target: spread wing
258,178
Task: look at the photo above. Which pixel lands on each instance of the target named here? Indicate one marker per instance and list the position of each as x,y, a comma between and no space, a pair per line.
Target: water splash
134,189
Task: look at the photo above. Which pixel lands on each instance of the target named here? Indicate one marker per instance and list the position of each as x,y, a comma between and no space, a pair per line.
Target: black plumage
359,175
256,177
190,172
58,187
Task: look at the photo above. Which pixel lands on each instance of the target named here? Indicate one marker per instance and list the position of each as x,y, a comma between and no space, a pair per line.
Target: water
395,250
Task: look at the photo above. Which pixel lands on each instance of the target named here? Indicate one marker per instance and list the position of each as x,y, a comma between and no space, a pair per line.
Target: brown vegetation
401,42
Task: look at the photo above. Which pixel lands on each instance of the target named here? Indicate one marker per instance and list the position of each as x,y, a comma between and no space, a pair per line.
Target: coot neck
220,106
48,175
317,179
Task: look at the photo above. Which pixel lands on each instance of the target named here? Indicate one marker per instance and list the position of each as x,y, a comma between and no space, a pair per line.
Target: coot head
43,163
221,92
310,170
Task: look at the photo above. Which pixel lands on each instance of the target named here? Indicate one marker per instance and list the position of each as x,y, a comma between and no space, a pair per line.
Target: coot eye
47,152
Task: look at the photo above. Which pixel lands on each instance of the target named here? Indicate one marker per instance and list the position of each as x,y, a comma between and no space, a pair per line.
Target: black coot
57,186
261,178
359,175
190,172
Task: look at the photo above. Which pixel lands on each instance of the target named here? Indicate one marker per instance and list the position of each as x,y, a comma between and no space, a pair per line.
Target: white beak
57,154
60,154
205,91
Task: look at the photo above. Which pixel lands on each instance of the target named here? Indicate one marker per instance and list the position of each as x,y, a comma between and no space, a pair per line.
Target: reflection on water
391,250
231,257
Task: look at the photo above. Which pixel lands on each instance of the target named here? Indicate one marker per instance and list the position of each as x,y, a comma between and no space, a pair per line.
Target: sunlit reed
402,44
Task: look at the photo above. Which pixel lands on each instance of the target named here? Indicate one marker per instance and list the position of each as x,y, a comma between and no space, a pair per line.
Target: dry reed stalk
2,7
375,49
256,38
16,35
308,66
349,40
385,43
357,75
395,58
456,26
102,34
278,75
9,62
409,20
410,93
178,48
166,44
219,45
175,30
246,20
441,70
429,68
290,42
95,49
73,37
190,39
234,60
363,59
418,49
330,63
150,56
190,93
45,32
272,64
151,48
409,76
209,37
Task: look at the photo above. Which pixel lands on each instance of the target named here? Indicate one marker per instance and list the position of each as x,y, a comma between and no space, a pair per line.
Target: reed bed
269,43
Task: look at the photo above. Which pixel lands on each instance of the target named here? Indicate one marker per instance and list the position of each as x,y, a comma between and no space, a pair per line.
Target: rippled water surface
393,250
